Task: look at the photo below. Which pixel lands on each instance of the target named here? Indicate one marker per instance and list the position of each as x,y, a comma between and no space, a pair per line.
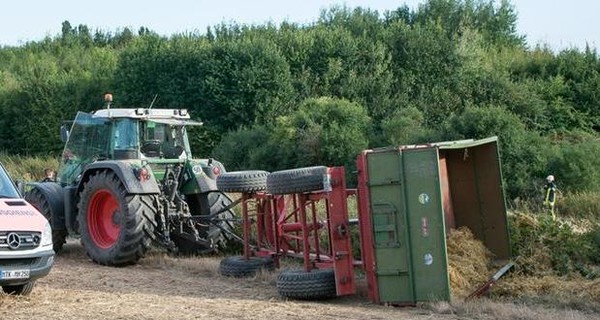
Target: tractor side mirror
64,133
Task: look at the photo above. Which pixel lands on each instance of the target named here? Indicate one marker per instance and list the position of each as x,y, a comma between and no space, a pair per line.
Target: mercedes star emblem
13,240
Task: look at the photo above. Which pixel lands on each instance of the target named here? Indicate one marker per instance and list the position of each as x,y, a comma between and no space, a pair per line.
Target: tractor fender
126,171
53,193
206,172
206,184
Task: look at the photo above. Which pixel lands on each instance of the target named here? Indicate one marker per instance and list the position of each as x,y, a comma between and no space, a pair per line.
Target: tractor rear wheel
317,284
218,229
116,227
48,203
213,220
237,266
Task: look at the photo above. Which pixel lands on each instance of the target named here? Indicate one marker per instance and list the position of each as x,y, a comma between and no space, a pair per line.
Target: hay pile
470,265
468,262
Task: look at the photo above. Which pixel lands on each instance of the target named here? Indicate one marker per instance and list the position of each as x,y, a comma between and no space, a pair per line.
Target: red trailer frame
313,226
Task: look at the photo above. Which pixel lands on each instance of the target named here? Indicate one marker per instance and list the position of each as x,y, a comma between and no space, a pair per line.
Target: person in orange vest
550,194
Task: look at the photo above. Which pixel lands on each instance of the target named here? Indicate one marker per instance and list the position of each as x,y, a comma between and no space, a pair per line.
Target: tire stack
243,182
316,284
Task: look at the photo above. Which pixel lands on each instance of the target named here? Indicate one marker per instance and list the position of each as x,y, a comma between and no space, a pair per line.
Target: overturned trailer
408,198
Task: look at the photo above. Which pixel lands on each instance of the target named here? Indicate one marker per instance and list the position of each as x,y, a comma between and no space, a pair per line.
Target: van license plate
14,274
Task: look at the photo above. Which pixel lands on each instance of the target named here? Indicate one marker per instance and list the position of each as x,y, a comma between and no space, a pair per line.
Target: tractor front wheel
48,203
116,227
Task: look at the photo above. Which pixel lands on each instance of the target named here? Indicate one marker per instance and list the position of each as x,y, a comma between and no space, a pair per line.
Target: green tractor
127,179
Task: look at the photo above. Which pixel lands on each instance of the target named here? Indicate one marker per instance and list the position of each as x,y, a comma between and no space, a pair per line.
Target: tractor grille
19,240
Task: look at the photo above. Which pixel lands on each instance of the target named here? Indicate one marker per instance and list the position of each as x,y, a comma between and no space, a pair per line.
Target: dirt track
163,287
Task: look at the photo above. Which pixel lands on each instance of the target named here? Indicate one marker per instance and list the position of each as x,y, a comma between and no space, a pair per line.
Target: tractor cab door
125,139
88,140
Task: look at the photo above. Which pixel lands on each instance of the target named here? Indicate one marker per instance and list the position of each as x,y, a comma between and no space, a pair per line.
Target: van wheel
21,289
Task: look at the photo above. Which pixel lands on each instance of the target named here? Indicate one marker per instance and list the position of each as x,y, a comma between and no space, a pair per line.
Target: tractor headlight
47,235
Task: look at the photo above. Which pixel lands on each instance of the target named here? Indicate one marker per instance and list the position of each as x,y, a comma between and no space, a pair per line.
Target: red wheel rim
101,214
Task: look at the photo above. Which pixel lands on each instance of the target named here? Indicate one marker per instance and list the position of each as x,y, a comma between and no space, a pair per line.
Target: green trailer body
414,196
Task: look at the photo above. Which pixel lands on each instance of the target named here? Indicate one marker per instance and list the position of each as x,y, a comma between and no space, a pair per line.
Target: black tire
49,203
237,266
21,289
116,227
318,284
243,181
214,229
218,229
296,180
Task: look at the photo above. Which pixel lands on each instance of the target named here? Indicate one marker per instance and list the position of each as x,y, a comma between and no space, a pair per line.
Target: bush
576,164
242,149
323,131
27,168
543,246
405,126
583,204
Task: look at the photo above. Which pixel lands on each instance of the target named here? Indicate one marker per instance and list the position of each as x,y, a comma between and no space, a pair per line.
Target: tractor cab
125,134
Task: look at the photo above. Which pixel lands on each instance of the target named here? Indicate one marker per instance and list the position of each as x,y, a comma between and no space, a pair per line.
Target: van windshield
7,187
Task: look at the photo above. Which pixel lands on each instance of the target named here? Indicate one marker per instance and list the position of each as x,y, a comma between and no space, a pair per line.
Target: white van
25,241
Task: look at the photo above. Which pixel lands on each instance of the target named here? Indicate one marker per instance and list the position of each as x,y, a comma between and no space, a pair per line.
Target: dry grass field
165,287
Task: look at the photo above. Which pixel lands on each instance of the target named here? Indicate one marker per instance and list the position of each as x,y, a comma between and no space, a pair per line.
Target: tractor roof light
183,112
140,111
108,98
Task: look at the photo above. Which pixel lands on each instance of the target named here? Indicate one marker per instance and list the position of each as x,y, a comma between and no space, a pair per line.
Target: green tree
323,131
406,126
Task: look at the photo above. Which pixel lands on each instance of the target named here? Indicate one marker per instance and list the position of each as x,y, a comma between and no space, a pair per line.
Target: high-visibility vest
550,193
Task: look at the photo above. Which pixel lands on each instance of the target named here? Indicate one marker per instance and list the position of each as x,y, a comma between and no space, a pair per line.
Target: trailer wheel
116,227
237,266
242,181
48,203
296,180
317,284
21,289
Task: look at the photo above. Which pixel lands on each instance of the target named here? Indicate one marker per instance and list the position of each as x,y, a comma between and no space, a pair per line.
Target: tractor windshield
88,141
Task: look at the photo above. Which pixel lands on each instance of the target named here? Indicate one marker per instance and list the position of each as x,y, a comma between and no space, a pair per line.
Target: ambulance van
25,241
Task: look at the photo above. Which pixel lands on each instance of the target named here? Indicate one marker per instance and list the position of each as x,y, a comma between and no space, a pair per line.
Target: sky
559,24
